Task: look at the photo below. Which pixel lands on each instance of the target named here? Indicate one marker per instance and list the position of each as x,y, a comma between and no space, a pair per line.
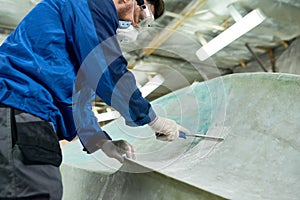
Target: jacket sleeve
90,30
81,39
89,132
102,63
116,85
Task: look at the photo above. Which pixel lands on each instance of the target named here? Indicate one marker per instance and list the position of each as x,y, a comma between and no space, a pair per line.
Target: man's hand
166,129
118,149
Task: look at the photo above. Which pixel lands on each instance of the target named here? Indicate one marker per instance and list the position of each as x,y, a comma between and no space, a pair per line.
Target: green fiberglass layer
258,116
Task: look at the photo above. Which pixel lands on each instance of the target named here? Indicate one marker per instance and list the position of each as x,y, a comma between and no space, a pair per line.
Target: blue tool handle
182,135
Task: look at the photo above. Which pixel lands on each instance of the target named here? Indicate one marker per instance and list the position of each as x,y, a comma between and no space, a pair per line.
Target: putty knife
206,137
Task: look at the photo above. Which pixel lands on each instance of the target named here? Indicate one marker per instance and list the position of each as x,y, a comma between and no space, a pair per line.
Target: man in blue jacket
51,65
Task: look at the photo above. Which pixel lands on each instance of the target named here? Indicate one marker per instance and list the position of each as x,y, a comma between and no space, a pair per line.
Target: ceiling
169,47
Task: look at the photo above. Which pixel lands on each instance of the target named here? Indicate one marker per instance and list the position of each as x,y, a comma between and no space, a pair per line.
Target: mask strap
132,10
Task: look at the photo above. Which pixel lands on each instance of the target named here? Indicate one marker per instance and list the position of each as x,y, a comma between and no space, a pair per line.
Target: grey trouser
27,143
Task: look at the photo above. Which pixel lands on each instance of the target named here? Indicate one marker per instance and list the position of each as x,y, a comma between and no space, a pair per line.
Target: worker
61,52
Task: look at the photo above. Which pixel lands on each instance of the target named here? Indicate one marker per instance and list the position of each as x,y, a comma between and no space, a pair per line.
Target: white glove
118,149
166,129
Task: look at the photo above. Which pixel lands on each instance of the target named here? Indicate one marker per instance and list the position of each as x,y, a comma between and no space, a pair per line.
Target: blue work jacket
59,56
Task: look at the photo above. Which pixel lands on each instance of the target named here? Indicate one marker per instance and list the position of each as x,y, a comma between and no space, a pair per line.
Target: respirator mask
126,32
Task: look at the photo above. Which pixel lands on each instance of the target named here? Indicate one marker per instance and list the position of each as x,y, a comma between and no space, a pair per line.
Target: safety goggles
146,17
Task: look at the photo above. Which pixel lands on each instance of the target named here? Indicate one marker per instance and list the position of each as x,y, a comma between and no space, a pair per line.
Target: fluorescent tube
149,87
244,25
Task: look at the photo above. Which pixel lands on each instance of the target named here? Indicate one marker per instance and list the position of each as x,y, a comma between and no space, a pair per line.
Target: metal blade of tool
205,137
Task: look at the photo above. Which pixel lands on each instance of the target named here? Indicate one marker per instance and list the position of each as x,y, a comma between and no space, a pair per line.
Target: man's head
132,10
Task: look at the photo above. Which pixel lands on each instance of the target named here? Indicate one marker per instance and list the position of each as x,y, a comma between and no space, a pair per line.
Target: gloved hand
166,129
118,149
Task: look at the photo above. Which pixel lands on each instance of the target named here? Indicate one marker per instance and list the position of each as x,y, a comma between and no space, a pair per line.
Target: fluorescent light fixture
35,1
149,87
102,117
242,26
